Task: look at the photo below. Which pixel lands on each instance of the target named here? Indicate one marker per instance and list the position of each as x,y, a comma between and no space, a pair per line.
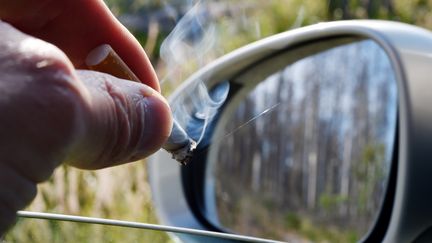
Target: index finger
77,27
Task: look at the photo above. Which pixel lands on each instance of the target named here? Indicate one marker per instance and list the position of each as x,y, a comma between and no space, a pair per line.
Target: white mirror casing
409,49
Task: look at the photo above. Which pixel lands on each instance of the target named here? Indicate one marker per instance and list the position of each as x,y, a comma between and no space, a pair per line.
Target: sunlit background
205,30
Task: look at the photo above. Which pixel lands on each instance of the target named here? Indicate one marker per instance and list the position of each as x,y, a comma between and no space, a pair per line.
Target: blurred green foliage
368,172
116,193
123,192
245,21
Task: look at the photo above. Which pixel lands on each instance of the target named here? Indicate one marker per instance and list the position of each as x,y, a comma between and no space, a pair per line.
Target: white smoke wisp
190,43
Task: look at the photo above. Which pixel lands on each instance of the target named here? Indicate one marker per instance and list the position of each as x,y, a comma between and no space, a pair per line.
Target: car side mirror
318,134
306,145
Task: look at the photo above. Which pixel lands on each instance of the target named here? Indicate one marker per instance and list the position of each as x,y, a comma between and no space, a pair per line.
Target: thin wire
253,119
263,113
130,224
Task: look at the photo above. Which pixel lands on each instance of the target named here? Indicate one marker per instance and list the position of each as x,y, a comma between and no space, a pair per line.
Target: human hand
52,113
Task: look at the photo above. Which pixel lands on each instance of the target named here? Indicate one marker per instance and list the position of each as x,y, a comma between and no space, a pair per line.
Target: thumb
124,121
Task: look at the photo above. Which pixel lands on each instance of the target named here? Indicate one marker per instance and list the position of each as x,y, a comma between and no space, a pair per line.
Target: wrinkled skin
52,113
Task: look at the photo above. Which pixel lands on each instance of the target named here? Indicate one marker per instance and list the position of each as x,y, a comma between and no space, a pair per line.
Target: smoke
196,40
206,110
190,45
198,108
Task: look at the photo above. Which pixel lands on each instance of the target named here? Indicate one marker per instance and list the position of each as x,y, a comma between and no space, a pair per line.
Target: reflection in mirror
306,154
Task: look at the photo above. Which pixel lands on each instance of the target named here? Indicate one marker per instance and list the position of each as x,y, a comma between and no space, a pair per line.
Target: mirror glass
304,153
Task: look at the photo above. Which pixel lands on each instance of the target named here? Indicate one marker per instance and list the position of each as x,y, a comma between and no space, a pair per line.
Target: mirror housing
406,215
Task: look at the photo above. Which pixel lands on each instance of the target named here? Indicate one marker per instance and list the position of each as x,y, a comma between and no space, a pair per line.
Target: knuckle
29,53
44,106
43,103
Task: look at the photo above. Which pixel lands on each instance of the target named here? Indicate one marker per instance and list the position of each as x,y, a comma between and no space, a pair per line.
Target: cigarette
179,144
104,59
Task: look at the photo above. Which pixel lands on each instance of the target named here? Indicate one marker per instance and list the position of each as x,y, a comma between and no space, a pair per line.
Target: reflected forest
308,151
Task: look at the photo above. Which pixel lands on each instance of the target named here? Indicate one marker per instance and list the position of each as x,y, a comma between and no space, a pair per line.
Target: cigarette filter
104,59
